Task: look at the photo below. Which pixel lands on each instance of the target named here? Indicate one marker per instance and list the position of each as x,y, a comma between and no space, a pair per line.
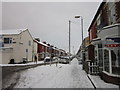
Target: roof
62,50
12,31
96,39
113,25
41,43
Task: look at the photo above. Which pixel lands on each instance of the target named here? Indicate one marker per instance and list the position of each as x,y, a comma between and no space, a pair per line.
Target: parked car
79,61
55,59
47,59
64,59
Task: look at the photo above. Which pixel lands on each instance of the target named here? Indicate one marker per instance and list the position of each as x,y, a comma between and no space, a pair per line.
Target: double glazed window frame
111,66
7,40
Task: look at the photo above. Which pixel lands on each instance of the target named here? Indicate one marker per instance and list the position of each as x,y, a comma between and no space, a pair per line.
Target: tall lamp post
81,18
69,40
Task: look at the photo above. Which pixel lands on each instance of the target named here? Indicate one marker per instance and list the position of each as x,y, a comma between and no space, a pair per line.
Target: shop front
111,59
110,53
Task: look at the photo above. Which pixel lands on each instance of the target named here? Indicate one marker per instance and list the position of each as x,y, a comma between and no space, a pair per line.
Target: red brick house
104,34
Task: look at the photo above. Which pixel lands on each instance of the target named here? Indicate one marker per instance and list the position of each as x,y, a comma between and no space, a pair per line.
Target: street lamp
70,35
80,17
69,40
81,24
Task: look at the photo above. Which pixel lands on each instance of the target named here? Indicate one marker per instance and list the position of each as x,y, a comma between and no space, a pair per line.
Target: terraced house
104,35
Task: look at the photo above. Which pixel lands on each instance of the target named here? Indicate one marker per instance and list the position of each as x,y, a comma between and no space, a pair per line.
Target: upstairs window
113,18
117,8
7,40
112,13
104,16
29,43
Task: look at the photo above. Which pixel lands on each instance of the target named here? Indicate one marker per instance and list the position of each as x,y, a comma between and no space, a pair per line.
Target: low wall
6,70
110,78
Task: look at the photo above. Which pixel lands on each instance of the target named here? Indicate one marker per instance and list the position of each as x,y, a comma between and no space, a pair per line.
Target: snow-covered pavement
99,83
62,76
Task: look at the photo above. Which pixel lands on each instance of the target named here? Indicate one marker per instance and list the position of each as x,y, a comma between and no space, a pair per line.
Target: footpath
98,83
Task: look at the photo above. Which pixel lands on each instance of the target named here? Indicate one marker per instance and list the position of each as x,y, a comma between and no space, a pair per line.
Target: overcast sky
49,20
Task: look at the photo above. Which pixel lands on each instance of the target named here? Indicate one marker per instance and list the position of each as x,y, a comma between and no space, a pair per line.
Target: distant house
85,48
62,52
16,45
57,52
35,49
40,49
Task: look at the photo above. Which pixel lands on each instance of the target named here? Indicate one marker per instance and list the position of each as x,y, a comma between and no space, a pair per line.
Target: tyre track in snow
63,76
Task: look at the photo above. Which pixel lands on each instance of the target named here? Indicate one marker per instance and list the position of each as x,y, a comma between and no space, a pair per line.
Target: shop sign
113,42
112,45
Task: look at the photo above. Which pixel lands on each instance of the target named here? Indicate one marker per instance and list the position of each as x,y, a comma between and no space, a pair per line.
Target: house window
29,43
105,16
117,8
99,45
118,57
113,18
115,55
7,40
42,48
112,13
100,55
106,60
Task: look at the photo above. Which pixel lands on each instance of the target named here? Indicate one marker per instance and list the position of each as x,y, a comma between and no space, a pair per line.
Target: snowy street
62,76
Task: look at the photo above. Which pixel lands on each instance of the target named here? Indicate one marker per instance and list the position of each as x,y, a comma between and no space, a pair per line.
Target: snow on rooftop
12,31
41,43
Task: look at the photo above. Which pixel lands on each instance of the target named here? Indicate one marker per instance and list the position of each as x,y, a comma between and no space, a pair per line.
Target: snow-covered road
62,76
